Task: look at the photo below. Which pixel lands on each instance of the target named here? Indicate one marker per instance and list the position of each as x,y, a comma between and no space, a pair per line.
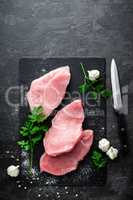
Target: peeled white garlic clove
112,153
94,74
13,171
104,145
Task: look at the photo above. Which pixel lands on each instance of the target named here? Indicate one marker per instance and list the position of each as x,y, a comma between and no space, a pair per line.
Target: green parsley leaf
106,93
24,145
83,88
37,139
40,128
33,131
44,128
94,95
98,160
37,115
37,110
99,88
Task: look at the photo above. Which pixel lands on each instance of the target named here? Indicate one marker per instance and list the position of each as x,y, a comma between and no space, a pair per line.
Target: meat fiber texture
66,129
49,90
67,162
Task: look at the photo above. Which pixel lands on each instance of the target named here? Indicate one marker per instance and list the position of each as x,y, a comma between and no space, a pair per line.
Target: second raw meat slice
66,129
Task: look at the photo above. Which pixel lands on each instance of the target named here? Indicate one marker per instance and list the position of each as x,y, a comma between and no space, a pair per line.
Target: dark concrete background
71,28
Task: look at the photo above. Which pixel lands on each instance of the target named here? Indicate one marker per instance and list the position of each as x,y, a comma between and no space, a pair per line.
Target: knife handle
123,132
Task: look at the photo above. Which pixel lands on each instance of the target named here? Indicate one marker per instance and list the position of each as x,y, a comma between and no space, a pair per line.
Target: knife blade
118,106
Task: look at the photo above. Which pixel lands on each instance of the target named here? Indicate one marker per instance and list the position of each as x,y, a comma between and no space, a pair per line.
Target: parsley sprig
96,87
98,160
32,132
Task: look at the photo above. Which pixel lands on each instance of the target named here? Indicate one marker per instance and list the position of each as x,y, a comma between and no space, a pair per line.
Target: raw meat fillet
66,129
49,90
67,162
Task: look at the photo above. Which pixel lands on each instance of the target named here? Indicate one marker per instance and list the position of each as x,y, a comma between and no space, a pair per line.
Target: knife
118,106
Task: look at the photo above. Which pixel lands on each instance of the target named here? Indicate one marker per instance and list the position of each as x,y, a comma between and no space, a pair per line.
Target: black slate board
30,69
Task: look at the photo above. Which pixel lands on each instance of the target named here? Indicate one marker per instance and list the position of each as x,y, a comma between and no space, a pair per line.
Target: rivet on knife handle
123,132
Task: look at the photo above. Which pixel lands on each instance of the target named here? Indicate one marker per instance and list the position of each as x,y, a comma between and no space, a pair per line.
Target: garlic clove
94,74
112,153
104,144
13,170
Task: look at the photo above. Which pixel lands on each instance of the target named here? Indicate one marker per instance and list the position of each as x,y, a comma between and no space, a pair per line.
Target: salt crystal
18,181
19,186
43,70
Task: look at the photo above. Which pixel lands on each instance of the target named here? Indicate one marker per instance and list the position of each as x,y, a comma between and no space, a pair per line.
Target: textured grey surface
56,28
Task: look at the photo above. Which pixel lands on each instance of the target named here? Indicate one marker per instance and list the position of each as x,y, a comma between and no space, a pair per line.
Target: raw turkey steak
67,162
49,90
66,129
